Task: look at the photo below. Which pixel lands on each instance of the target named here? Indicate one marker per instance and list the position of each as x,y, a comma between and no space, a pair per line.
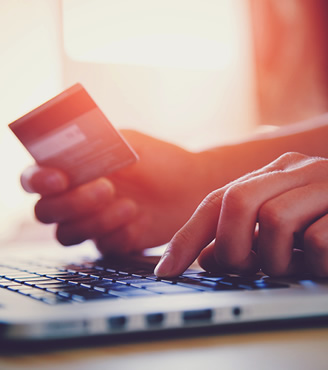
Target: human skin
145,204
136,208
274,218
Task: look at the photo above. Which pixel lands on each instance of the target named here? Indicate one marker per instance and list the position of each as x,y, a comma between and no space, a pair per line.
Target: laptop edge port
117,322
197,315
155,319
236,311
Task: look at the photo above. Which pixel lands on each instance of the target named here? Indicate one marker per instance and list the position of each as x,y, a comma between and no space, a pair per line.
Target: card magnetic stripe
54,113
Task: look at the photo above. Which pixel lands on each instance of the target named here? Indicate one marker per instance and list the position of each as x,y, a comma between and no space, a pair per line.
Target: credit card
71,133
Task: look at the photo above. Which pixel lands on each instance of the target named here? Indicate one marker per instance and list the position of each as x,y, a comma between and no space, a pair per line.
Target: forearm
226,163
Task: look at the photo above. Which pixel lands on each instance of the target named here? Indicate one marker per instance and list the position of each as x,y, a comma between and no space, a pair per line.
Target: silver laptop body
36,305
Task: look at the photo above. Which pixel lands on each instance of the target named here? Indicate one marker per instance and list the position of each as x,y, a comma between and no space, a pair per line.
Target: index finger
194,236
229,215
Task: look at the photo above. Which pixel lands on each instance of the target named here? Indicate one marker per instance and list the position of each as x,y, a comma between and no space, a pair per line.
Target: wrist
211,171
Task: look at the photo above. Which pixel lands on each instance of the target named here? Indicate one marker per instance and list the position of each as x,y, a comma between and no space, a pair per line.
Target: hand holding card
71,133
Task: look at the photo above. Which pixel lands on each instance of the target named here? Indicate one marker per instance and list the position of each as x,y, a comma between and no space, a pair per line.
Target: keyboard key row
79,283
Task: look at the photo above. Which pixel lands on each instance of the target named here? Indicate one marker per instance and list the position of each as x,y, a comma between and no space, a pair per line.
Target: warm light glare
30,73
180,70
168,33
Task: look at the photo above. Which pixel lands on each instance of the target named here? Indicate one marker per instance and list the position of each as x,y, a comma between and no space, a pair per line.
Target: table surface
300,348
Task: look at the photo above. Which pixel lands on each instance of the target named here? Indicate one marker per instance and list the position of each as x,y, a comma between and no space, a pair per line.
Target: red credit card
71,133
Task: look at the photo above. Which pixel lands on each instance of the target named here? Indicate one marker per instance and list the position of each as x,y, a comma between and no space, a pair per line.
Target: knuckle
272,216
235,198
291,157
212,200
297,161
287,159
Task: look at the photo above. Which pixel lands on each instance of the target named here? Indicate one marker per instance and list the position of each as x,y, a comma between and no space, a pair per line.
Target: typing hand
274,219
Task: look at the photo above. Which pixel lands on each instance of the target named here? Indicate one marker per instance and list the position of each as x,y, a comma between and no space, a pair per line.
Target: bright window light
180,70
165,33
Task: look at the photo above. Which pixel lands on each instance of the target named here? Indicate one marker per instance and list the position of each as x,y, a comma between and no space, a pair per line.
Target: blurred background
198,73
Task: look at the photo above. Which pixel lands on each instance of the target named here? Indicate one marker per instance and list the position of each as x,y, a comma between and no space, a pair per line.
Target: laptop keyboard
54,283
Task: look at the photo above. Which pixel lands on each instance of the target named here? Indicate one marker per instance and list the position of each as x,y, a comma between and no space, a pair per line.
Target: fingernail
55,183
165,265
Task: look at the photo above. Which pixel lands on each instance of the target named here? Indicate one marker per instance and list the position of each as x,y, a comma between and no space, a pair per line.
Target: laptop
52,292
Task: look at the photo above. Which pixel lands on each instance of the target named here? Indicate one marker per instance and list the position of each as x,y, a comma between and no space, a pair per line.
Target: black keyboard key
250,283
203,284
48,272
269,285
144,283
52,285
126,293
79,269
79,279
55,300
29,281
26,290
169,288
135,281
40,294
64,290
87,295
14,286
4,283
20,276
89,283
37,281
205,276
47,297
106,286
140,272
105,275
61,275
